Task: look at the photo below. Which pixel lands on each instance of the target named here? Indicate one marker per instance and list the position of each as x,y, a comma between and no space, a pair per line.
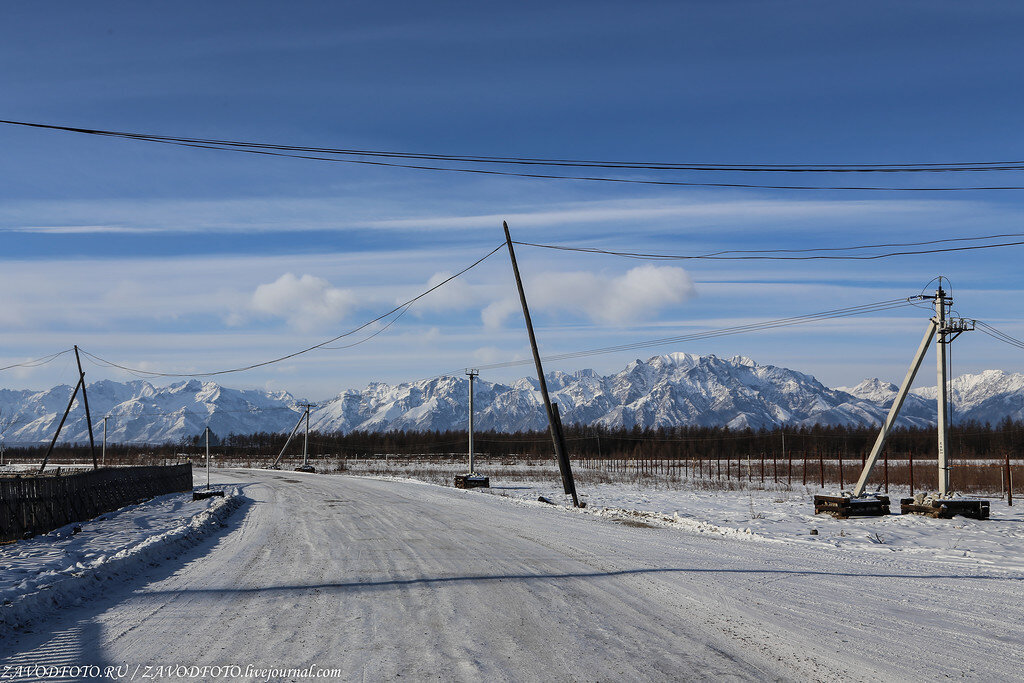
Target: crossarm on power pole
894,411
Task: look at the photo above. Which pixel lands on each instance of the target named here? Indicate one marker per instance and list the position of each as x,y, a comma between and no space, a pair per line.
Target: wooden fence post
885,468
1009,480
840,470
910,460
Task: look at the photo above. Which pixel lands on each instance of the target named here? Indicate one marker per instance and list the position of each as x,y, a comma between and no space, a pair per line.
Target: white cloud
494,314
636,295
455,295
307,302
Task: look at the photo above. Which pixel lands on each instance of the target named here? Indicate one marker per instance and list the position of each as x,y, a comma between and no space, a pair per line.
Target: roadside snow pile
646,518
73,562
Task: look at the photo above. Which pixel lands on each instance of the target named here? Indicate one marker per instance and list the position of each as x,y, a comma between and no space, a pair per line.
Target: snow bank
69,564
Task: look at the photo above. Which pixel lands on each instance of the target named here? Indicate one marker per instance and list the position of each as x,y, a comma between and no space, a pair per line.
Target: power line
739,329
323,344
346,157
998,334
38,361
930,167
756,255
863,309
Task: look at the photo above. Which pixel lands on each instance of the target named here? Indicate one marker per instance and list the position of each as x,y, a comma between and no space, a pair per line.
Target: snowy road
386,579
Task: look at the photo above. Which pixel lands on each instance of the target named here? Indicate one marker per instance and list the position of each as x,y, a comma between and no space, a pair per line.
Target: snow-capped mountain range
668,390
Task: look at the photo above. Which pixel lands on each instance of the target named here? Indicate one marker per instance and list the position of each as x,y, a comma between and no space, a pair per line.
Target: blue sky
178,259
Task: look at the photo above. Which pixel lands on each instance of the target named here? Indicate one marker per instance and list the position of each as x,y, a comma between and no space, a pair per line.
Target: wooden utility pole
88,415
554,422
1009,479
56,434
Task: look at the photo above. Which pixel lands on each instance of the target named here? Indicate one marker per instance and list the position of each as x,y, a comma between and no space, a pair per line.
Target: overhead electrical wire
321,345
347,156
930,167
795,254
999,334
864,309
38,361
707,334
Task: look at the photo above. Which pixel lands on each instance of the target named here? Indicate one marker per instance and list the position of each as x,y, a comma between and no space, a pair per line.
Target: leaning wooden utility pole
554,422
88,415
56,434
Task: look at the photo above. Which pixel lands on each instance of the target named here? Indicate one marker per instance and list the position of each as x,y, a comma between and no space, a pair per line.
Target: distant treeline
967,440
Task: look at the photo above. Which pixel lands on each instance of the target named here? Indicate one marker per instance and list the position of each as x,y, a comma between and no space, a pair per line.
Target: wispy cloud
289,214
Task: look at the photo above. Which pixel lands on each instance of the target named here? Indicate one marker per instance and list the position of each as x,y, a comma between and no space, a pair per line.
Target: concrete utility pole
207,457
472,374
944,330
305,442
943,403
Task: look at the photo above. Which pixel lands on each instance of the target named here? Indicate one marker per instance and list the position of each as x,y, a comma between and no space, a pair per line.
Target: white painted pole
305,442
207,458
942,399
472,375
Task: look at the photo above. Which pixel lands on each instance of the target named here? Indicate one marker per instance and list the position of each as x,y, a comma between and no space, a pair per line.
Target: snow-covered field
70,564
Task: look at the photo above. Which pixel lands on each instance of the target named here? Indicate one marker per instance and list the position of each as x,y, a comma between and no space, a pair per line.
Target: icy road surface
388,579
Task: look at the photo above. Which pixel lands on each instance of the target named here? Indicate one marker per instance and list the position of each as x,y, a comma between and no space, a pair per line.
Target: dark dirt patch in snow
636,523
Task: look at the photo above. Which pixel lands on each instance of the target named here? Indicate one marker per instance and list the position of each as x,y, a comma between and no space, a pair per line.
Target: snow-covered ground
70,564
788,517
380,579
777,513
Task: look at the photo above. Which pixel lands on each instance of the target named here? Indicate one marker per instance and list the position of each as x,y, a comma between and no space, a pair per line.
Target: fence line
35,504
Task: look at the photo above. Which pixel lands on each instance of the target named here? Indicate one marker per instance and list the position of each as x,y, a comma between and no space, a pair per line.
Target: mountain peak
872,389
